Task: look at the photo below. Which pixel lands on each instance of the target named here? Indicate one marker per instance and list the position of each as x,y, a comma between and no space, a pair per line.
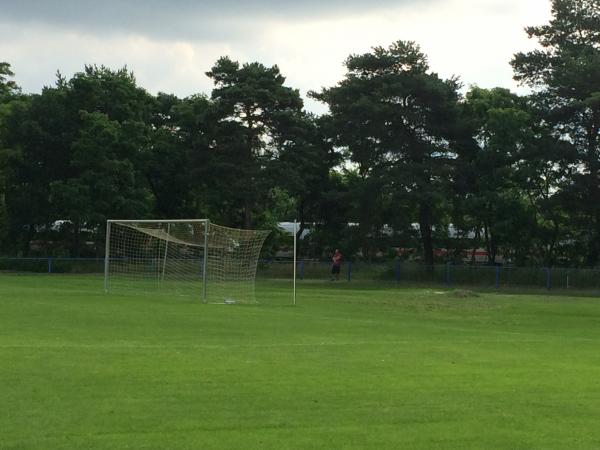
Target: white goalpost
295,261
185,257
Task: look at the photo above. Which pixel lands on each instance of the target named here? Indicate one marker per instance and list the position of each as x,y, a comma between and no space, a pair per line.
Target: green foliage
9,91
302,168
493,204
106,173
177,162
8,88
254,110
75,155
565,72
400,159
395,120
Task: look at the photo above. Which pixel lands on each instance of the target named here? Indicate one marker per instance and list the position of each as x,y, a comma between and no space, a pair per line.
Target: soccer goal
184,257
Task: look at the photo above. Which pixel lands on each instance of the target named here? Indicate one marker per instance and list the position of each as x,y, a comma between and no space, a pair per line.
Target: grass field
351,366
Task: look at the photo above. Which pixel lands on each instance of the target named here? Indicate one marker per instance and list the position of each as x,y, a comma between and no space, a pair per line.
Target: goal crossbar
160,234
158,221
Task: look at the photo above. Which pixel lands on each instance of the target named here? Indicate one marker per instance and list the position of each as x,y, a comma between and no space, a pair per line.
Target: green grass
351,366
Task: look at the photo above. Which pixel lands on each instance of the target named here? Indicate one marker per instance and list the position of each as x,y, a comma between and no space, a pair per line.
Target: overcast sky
171,44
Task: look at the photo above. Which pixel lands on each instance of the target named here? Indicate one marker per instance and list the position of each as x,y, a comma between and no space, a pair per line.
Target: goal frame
109,223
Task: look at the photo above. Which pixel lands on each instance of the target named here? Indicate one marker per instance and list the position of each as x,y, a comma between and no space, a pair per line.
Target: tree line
402,157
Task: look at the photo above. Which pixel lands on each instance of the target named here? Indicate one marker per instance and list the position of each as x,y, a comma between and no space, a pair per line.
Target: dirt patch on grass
462,293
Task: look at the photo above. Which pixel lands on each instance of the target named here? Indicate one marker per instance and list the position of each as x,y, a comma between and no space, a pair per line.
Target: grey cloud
181,19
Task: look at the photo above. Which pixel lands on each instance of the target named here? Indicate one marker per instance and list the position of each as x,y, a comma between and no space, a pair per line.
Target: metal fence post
350,271
50,264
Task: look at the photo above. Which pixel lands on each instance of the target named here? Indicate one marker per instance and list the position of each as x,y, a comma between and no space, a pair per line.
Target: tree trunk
593,255
76,249
250,152
364,227
594,175
247,214
27,242
494,249
490,244
426,237
477,237
550,257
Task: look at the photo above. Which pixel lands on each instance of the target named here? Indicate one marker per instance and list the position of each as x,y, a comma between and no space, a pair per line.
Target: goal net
183,257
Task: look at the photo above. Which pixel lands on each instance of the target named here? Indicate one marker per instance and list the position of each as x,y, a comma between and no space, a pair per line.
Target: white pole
295,246
166,251
106,256
204,262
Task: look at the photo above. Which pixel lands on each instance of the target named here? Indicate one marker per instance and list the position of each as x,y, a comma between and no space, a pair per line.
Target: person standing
336,265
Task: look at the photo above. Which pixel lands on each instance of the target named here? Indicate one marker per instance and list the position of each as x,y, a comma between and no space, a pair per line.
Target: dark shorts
335,269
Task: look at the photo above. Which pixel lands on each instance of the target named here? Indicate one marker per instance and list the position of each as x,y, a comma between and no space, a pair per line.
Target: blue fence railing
443,274
52,265
497,277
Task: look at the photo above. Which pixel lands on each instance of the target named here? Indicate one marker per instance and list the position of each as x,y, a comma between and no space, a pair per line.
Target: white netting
169,256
